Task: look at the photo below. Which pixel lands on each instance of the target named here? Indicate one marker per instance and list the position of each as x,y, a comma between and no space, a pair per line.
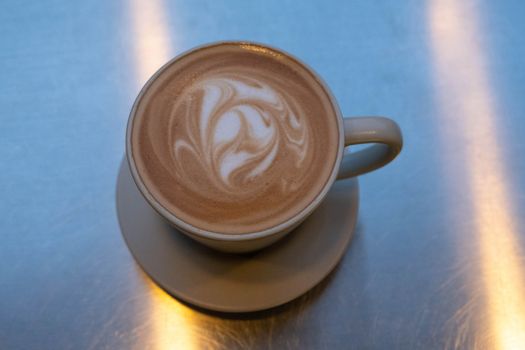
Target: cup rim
218,236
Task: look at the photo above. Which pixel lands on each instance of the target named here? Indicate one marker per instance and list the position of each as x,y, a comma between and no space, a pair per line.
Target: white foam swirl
235,129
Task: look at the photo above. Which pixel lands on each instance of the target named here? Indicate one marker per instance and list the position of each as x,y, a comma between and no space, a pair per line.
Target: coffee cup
236,143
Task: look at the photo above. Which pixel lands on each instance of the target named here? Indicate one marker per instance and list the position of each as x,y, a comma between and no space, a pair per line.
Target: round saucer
237,283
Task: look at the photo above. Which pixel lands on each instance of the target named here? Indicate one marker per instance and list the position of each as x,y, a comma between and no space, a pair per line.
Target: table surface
438,258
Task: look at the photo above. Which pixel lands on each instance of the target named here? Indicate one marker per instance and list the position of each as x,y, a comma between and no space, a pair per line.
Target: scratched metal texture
438,258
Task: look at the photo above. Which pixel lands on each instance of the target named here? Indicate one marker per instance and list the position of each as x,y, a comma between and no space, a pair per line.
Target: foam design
235,127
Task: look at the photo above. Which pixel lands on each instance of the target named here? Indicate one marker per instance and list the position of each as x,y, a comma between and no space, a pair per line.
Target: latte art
234,138
234,126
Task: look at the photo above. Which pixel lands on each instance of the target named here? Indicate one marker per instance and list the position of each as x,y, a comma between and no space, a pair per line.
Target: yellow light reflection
464,89
173,324
262,50
153,44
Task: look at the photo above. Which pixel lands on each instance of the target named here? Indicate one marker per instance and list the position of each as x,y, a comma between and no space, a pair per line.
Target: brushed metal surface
437,261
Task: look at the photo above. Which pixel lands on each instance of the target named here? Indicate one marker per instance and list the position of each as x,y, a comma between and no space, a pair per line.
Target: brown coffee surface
234,138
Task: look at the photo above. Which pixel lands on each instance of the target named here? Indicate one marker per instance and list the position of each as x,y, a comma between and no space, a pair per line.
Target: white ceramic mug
383,133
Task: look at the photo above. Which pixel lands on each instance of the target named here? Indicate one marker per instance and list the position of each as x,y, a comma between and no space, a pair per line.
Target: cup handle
383,132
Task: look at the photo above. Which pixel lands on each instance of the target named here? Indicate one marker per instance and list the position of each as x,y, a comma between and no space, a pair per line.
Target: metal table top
438,258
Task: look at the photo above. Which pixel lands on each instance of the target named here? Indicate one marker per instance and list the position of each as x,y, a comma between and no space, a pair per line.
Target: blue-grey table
438,258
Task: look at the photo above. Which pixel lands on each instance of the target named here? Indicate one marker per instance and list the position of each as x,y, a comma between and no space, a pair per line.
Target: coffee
234,138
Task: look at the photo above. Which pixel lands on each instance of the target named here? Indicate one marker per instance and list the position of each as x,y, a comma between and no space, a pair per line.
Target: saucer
237,283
